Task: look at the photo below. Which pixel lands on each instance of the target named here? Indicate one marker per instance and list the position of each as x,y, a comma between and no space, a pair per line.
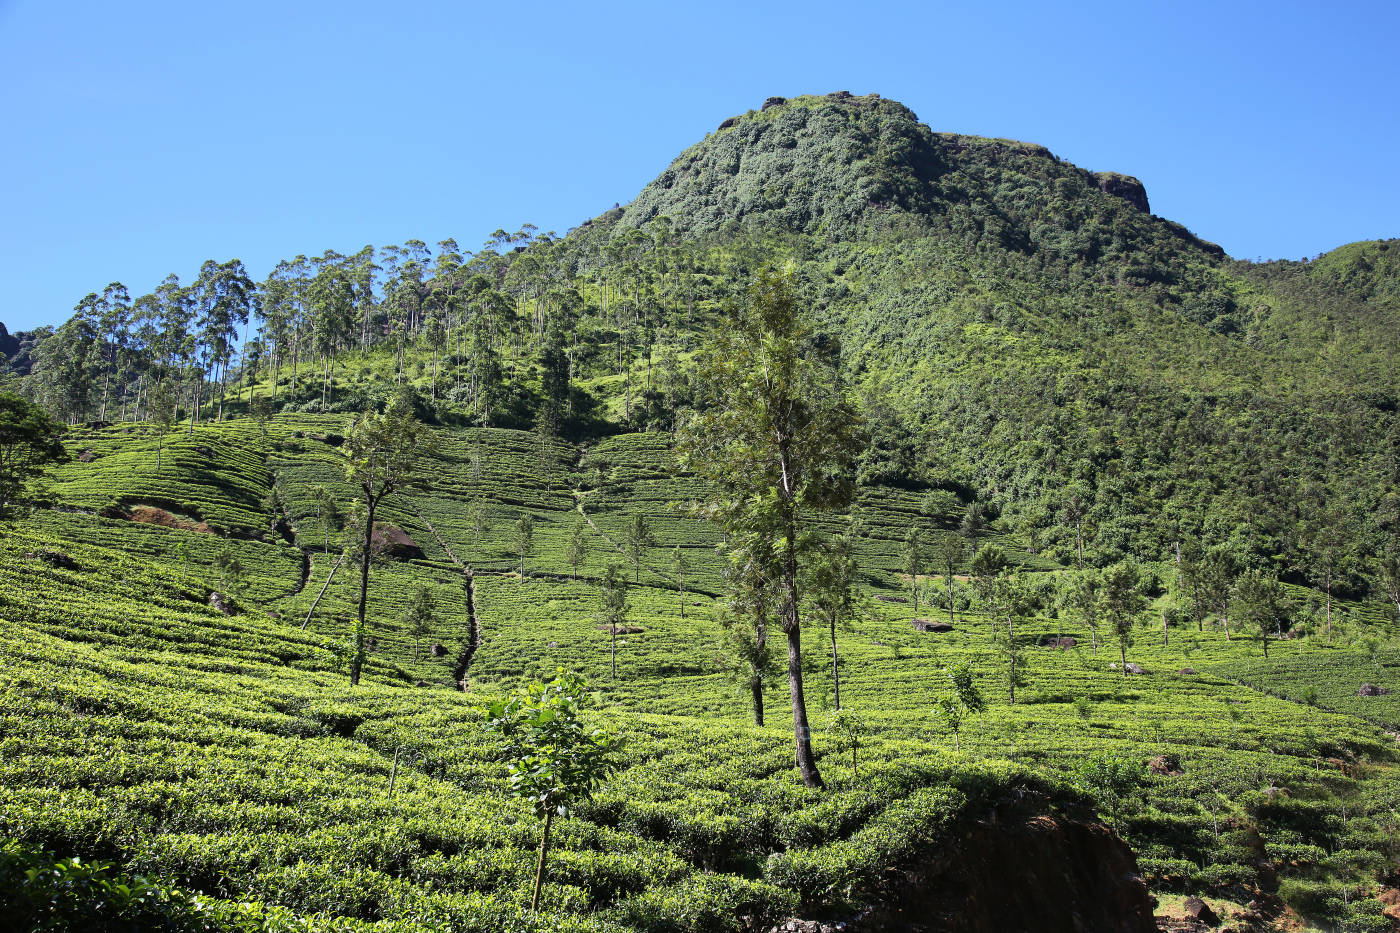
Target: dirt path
462,665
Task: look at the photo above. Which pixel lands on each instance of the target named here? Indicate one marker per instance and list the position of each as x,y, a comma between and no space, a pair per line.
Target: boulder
1371,690
1187,671
395,543
840,95
1060,642
86,456
1135,668
774,102
1165,764
732,121
221,602
1197,909
929,625
438,651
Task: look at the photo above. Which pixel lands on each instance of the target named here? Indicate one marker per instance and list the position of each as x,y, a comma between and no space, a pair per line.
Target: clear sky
143,138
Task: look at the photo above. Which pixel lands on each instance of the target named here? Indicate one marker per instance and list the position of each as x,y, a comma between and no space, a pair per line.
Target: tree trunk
950,594
1123,657
539,866
368,542
802,732
1329,606
613,652
756,689
1011,650
317,601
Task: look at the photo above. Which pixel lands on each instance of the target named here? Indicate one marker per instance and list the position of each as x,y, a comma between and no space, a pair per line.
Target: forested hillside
1100,542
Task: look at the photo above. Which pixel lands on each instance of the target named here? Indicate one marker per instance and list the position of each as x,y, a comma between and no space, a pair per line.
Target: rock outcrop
1018,869
1123,186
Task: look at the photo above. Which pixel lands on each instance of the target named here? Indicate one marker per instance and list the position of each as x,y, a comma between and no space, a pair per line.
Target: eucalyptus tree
744,619
776,440
224,297
579,546
382,453
949,552
524,534
1259,603
613,608
913,557
830,580
112,324
638,538
1011,600
278,312
363,272
1123,603
332,302
420,614
679,567
1082,594
62,369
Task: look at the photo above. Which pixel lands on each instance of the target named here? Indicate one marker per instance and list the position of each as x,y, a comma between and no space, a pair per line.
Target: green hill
1029,348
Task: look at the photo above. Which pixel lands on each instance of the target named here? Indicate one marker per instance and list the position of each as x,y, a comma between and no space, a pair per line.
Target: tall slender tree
382,453
776,440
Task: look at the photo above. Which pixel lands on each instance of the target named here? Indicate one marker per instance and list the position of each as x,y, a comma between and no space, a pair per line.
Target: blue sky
143,138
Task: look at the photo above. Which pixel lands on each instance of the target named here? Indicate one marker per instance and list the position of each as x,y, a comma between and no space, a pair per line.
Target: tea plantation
171,762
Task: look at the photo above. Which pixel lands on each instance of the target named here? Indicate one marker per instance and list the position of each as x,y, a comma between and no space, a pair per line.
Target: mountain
1026,329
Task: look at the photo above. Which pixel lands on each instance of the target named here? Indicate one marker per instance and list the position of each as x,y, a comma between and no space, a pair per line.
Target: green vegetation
829,372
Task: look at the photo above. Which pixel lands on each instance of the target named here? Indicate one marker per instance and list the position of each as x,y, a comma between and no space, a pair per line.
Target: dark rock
1061,642
1123,186
98,425
222,603
1198,909
1134,668
928,625
438,651
421,683
1165,764
840,95
774,102
1020,868
395,543
732,121
1187,671
86,456
622,629
273,614
1371,690
56,559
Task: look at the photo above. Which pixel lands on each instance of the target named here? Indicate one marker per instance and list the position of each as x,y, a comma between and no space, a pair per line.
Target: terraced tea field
223,752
